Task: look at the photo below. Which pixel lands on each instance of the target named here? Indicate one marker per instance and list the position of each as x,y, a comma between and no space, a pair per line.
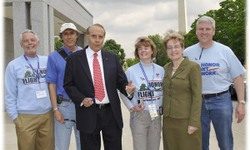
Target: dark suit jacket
182,92
78,84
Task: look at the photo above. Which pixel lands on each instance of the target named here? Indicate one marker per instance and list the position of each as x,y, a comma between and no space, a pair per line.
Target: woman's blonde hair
173,35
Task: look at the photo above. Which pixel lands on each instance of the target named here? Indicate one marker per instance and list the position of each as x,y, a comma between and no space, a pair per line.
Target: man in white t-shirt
219,68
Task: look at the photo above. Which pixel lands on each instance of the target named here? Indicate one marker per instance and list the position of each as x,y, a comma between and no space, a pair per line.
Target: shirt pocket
180,77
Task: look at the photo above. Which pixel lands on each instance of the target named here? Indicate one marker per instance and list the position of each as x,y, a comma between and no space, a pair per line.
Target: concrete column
182,16
85,40
51,29
39,18
80,41
20,23
8,41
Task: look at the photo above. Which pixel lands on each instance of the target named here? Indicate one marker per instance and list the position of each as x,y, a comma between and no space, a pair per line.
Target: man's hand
87,102
138,108
240,112
191,129
130,88
15,120
59,117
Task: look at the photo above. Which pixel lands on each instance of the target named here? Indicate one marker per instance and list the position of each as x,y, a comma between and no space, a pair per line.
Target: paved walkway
239,131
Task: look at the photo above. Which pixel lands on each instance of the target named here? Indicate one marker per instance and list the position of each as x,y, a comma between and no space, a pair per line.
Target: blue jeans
63,131
219,110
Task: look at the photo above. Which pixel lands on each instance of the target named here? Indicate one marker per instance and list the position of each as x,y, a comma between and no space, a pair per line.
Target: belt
206,96
61,98
70,120
102,106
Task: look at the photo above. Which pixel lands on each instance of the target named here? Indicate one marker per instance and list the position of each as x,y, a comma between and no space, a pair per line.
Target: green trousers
175,136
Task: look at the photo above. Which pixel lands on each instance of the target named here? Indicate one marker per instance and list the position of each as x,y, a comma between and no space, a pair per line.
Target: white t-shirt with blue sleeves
219,66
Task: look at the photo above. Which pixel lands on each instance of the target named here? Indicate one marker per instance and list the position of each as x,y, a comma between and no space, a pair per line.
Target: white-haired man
219,68
27,98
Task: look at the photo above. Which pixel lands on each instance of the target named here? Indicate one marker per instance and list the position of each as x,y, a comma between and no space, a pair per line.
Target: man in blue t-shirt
219,68
63,107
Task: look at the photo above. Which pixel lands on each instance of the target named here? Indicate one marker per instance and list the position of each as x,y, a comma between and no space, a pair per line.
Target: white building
45,18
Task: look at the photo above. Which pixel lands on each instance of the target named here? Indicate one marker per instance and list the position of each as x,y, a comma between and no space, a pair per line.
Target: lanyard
35,71
201,53
145,76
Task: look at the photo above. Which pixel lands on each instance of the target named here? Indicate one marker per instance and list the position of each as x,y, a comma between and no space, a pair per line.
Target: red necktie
98,83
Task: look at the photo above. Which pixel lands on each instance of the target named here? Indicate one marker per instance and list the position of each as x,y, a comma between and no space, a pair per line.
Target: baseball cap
68,26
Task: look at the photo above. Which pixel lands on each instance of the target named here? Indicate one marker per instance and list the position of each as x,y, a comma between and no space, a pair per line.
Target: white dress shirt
90,57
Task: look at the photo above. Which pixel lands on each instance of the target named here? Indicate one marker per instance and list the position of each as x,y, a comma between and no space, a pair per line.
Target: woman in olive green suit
181,98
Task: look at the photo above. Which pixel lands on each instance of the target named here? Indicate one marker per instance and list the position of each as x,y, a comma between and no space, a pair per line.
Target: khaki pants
35,132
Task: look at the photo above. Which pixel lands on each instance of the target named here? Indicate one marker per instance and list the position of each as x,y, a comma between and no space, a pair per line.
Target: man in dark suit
96,98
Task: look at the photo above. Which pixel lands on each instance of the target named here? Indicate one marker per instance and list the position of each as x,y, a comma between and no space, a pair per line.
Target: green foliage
230,27
130,62
161,56
58,43
112,46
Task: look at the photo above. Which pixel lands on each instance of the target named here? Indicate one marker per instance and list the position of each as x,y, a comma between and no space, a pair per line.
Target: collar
68,51
183,64
146,65
90,52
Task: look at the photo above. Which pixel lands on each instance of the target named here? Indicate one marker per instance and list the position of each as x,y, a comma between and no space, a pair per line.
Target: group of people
76,89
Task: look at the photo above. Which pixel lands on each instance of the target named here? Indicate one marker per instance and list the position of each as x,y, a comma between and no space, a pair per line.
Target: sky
126,20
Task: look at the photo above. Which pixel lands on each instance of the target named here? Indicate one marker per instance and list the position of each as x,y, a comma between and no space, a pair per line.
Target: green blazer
182,92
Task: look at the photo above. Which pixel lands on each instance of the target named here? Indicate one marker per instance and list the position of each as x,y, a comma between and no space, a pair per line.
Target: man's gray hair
206,19
27,31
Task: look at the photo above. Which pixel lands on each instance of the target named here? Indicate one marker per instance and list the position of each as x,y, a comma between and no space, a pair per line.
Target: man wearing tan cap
63,107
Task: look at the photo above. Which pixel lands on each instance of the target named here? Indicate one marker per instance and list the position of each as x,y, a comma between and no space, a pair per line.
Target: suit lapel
84,64
178,71
169,71
105,62
180,68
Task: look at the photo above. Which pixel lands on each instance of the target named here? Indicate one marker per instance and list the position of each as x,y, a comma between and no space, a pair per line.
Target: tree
230,27
112,46
58,42
131,61
161,56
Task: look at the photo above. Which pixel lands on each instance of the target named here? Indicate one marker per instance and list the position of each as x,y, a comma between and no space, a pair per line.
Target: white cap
66,26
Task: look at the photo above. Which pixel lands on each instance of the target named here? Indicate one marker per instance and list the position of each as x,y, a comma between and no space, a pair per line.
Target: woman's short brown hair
173,35
144,41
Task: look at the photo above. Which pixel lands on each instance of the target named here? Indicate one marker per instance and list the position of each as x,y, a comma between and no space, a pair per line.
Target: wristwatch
242,102
55,109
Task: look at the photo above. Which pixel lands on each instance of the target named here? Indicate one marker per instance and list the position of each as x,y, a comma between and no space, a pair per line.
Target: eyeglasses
173,47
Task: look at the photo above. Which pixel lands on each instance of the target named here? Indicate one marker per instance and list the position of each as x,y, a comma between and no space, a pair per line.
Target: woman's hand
138,108
191,129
